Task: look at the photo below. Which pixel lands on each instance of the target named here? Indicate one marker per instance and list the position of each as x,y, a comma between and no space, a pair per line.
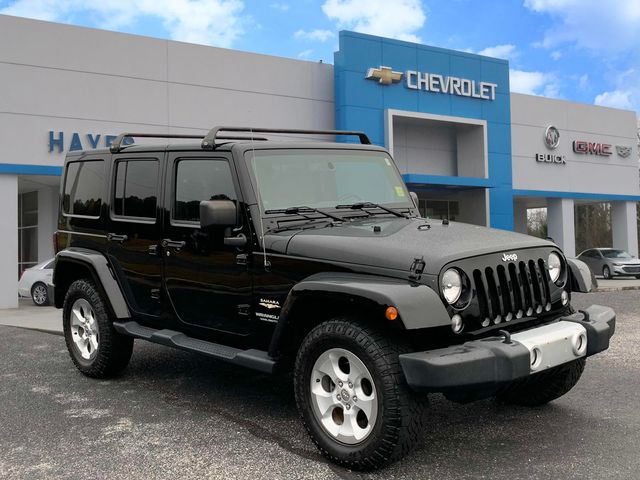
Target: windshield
326,178
615,254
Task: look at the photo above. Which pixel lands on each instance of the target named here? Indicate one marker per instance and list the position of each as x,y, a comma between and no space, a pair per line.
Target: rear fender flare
98,265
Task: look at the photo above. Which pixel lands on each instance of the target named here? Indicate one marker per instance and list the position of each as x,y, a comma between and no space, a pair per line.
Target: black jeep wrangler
312,257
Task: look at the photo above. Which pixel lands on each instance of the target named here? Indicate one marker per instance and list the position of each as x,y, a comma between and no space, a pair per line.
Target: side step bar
254,359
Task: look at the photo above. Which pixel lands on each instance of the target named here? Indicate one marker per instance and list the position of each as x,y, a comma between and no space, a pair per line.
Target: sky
581,50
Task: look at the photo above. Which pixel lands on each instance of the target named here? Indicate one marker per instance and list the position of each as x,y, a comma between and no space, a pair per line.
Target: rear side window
83,187
136,186
198,180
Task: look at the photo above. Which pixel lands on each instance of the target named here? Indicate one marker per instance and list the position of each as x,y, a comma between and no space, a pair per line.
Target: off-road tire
46,294
400,418
544,387
114,350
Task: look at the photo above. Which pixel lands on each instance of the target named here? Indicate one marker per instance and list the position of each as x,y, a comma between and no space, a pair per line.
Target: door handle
114,237
177,244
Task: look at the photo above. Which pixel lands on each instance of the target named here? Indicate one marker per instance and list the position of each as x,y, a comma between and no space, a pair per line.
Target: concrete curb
616,289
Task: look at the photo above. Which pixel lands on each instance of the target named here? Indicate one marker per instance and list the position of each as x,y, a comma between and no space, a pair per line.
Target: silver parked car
610,262
35,282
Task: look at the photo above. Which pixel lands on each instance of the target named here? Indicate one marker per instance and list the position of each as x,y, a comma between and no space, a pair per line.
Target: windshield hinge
417,267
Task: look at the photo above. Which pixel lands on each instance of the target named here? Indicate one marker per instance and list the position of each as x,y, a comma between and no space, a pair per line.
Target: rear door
208,283
134,231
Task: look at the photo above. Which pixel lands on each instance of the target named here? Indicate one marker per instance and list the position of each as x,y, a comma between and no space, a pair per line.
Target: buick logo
551,137
509,257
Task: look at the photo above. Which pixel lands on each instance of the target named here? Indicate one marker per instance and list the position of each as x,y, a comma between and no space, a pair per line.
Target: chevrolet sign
432,82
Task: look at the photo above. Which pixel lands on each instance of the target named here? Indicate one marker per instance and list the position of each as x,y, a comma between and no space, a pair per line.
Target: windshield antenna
267,264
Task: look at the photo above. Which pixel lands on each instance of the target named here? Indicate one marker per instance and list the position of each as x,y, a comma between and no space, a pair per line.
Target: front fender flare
582,280
418,305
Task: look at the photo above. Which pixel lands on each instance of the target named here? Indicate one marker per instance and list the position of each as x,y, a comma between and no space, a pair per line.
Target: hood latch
417,267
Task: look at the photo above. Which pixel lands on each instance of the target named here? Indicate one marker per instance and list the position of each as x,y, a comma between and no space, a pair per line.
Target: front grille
515,289
633,269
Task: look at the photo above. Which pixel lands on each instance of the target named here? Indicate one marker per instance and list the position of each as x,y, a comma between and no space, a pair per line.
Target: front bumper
489,363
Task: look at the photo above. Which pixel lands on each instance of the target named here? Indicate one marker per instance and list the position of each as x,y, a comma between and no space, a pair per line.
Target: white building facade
70,88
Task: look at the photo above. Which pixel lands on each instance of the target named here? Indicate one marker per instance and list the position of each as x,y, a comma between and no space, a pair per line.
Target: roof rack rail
209,141
117,144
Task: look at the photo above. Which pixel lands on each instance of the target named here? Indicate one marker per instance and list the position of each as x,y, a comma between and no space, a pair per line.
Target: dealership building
470,149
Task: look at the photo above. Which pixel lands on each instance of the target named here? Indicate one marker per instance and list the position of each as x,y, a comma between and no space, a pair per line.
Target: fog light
564,297
580,344
536,357
456,324
486,322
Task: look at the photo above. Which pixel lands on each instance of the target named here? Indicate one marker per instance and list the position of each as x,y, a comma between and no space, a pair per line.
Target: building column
560,224
9,250
47,221
624,226
520,217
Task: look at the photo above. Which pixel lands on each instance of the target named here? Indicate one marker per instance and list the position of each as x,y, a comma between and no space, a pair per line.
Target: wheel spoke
366,405
76,317
330,367
357,431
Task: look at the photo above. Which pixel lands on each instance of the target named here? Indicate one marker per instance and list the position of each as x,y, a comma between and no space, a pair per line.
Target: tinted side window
198,180
83,188
136,187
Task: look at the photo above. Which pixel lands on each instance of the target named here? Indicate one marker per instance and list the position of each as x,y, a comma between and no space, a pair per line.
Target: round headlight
554,264
451,284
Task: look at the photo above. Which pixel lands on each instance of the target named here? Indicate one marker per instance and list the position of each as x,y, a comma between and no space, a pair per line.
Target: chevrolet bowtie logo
384,75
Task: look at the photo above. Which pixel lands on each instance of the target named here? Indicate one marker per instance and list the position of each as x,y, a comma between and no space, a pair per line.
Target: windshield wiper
366,205
302,210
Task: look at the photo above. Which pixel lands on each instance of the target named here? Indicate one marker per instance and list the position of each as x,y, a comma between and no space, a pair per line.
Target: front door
208,283
134,232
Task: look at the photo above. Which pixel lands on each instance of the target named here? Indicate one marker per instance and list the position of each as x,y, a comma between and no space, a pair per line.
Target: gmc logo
591,148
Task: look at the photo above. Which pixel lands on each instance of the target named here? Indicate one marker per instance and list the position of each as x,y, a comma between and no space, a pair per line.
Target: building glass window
198,180
136,188
83,188
27,230
439,209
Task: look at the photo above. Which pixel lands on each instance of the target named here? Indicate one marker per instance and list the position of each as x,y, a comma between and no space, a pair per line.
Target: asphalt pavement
179,415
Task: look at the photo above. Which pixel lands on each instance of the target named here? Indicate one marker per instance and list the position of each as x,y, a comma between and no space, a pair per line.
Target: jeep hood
398,242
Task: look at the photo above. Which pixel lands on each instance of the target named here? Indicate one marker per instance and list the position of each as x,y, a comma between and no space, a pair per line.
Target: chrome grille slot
518,291
494,297
535,283
505,290
544,271
482,294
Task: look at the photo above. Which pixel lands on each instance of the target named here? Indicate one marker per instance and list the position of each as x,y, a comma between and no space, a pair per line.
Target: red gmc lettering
591,148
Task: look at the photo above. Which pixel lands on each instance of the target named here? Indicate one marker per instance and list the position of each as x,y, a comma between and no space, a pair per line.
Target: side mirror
414,197
218,213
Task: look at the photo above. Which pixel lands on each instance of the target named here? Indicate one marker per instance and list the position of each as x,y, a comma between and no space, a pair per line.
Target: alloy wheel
343,395
84,329
39,294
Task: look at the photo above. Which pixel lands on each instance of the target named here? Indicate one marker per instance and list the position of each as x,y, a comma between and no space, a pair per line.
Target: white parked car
35,282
